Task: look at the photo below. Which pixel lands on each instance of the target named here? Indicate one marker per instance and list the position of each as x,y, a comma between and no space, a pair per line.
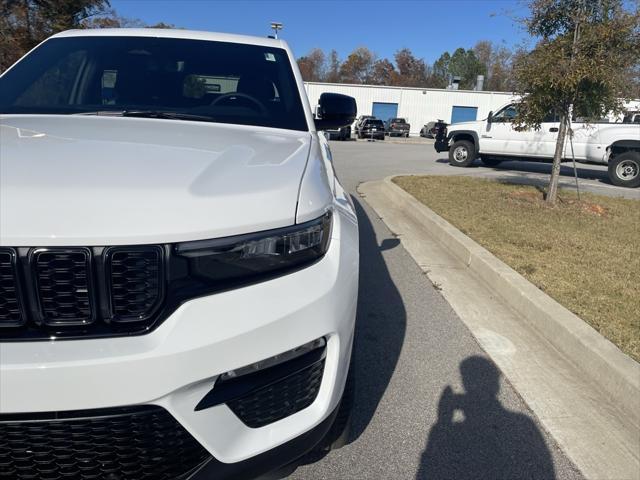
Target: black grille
135,282
80,291
10,313
117,444
281,399
63,286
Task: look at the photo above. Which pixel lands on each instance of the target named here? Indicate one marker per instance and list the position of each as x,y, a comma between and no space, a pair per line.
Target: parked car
178,264
397,126
360,120
342,133
429,130
631,117
494,140
372,128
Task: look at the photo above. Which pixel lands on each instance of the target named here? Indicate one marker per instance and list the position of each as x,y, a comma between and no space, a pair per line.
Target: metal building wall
417,105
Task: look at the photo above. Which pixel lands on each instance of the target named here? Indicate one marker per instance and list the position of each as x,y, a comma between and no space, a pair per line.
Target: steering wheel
261,108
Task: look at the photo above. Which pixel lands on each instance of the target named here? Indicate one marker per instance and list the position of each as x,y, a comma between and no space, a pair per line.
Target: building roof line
396,87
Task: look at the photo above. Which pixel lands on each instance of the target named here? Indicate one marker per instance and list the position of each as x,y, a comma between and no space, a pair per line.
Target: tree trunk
552,191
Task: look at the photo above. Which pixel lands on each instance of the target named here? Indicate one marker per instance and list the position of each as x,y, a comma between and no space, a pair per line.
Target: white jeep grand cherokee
178,262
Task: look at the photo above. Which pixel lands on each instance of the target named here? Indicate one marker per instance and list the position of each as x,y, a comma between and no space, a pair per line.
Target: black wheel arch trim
631,144
451,137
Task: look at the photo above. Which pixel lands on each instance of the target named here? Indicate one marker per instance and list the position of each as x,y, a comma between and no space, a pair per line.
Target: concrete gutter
597,375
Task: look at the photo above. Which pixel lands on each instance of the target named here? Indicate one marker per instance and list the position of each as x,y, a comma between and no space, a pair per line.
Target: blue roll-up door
384,111
463,114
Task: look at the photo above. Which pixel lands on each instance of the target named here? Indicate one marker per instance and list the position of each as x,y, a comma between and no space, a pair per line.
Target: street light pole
275,26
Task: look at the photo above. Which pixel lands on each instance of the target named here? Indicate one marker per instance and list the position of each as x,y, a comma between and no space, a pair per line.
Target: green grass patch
585,254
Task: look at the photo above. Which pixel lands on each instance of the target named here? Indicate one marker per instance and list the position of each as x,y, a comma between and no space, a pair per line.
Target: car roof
174,33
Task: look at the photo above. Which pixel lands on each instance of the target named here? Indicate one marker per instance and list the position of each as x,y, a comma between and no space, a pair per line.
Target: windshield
224,82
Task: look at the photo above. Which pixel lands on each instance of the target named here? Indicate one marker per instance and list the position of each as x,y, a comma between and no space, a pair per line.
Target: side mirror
335,111
490,117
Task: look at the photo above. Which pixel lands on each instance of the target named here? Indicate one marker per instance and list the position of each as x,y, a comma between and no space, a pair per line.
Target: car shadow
543,168
380,325
475,437
379,333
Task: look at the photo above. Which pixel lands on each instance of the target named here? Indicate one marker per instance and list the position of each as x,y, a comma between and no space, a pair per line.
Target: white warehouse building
417,105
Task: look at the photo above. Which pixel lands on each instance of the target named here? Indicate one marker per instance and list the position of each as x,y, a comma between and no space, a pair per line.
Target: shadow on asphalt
475,437
544,168
380,326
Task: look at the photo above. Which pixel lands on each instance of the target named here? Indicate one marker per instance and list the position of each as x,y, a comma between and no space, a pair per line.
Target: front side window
225,82
507,114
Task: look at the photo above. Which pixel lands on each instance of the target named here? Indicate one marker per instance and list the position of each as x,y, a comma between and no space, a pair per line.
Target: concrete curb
600,360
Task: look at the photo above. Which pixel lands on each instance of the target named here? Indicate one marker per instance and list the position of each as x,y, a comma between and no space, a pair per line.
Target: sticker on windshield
270,57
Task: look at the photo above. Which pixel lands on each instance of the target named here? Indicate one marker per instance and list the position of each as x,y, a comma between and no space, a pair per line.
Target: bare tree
333,68
312,66
412,71
383,73
358,66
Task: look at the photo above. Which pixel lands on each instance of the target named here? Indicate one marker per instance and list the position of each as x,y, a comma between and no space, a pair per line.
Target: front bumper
177,364
397,132
441,145
267,461
370,134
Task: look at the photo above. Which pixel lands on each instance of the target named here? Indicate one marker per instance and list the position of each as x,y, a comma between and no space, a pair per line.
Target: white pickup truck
494,140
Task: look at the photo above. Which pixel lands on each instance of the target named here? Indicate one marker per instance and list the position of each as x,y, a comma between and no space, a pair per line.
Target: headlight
226,261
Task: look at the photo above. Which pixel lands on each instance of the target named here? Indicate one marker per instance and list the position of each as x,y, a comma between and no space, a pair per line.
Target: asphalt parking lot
363,160
427,399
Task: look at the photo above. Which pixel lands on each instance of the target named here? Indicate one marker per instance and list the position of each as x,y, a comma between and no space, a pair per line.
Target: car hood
90,180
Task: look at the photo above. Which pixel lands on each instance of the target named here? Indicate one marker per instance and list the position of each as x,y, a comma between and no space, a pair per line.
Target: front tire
462,153
624,170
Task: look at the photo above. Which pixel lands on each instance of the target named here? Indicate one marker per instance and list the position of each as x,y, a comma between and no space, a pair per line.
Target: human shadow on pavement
475,437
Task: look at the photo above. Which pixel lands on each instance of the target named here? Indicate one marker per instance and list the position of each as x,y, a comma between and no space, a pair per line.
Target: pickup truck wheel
624,170
490,162
462,153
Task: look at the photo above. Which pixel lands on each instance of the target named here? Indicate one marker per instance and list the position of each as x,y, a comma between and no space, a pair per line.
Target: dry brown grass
586,255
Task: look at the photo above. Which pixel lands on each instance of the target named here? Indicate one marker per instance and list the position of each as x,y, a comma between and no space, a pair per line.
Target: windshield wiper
163,114
167,115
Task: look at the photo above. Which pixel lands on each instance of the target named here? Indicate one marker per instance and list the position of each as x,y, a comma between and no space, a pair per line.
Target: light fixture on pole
275,26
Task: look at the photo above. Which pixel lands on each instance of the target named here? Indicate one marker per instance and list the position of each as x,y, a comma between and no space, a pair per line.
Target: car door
501,138
497,135
586,141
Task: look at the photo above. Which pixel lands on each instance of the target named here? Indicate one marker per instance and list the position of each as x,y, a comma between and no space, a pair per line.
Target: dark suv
397,126
372,128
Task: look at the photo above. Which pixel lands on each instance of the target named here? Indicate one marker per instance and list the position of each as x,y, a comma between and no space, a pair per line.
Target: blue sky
427,27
